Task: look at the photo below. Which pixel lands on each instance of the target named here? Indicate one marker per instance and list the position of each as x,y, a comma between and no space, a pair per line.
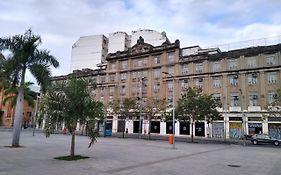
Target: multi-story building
8,115
88,51
245,80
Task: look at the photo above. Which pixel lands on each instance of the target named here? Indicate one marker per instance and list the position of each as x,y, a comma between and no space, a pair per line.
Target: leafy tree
70,102
274,108
25,55
125,109
153,109
195,106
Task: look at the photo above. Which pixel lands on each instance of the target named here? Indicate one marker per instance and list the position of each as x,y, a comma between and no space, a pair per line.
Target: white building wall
88,51
118,41
150,36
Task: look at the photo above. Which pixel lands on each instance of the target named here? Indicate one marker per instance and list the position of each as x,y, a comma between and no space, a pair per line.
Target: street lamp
140,124
35,113
243,120
173,106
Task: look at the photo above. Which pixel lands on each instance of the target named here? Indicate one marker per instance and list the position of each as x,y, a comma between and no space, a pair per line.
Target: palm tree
25,55
11,94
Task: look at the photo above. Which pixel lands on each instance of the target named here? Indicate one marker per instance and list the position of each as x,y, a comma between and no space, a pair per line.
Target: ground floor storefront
232,126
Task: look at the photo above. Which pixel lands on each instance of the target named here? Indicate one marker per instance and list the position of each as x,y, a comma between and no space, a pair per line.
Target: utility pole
173,106
140,117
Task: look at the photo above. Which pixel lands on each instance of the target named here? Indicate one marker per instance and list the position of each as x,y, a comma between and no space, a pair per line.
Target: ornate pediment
141,47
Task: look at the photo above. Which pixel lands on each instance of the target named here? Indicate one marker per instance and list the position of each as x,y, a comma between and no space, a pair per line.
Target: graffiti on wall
274,130
218,130
235,130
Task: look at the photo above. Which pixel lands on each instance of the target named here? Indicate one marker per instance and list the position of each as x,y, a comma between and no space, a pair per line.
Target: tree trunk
124,129
72,149
18,117
149,129
192,140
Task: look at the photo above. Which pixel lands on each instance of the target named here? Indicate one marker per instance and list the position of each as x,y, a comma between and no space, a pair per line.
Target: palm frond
42,74
11,99
44,57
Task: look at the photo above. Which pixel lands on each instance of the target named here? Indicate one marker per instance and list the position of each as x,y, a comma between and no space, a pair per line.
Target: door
218,129
108,128
155,127
235,130
274,130
169,127
184,128
255,128
136,127
121,126
200,129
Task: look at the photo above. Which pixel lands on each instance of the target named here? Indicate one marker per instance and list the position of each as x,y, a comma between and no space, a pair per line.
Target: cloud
61,23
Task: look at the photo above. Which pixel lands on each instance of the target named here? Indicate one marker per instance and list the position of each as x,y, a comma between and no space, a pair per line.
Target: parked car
264,138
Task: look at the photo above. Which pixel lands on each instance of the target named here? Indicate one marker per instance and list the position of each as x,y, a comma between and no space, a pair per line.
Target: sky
194,22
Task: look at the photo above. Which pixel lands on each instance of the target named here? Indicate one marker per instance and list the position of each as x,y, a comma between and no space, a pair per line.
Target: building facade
245,80
8,115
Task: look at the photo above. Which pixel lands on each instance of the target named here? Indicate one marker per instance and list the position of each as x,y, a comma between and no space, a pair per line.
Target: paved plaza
133,157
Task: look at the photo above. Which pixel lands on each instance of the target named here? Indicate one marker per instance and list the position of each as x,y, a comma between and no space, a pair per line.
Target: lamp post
140,124
173,106
35,113
243,119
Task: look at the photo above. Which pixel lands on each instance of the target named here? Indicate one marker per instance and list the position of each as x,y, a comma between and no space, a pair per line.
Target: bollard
170,139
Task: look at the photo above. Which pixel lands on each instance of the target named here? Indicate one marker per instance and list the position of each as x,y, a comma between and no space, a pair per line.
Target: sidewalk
187,139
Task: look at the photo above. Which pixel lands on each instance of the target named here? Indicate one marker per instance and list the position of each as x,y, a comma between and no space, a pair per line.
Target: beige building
245,80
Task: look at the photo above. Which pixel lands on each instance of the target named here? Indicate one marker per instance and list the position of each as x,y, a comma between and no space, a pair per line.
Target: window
252,79
124,65
199,67
216,66
271,96
111,91
171,57
170,101
102,79
123,90
156,87
123,76
145,62
232,64
134,75
112,66
233,80
112,78
253,99
216,96
102,91
157,59
184,84
144,73
199,82
170,86
184,69
251,62
137,63
134,89
272,77
270,60
156,73
234,99
216,82
171,70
